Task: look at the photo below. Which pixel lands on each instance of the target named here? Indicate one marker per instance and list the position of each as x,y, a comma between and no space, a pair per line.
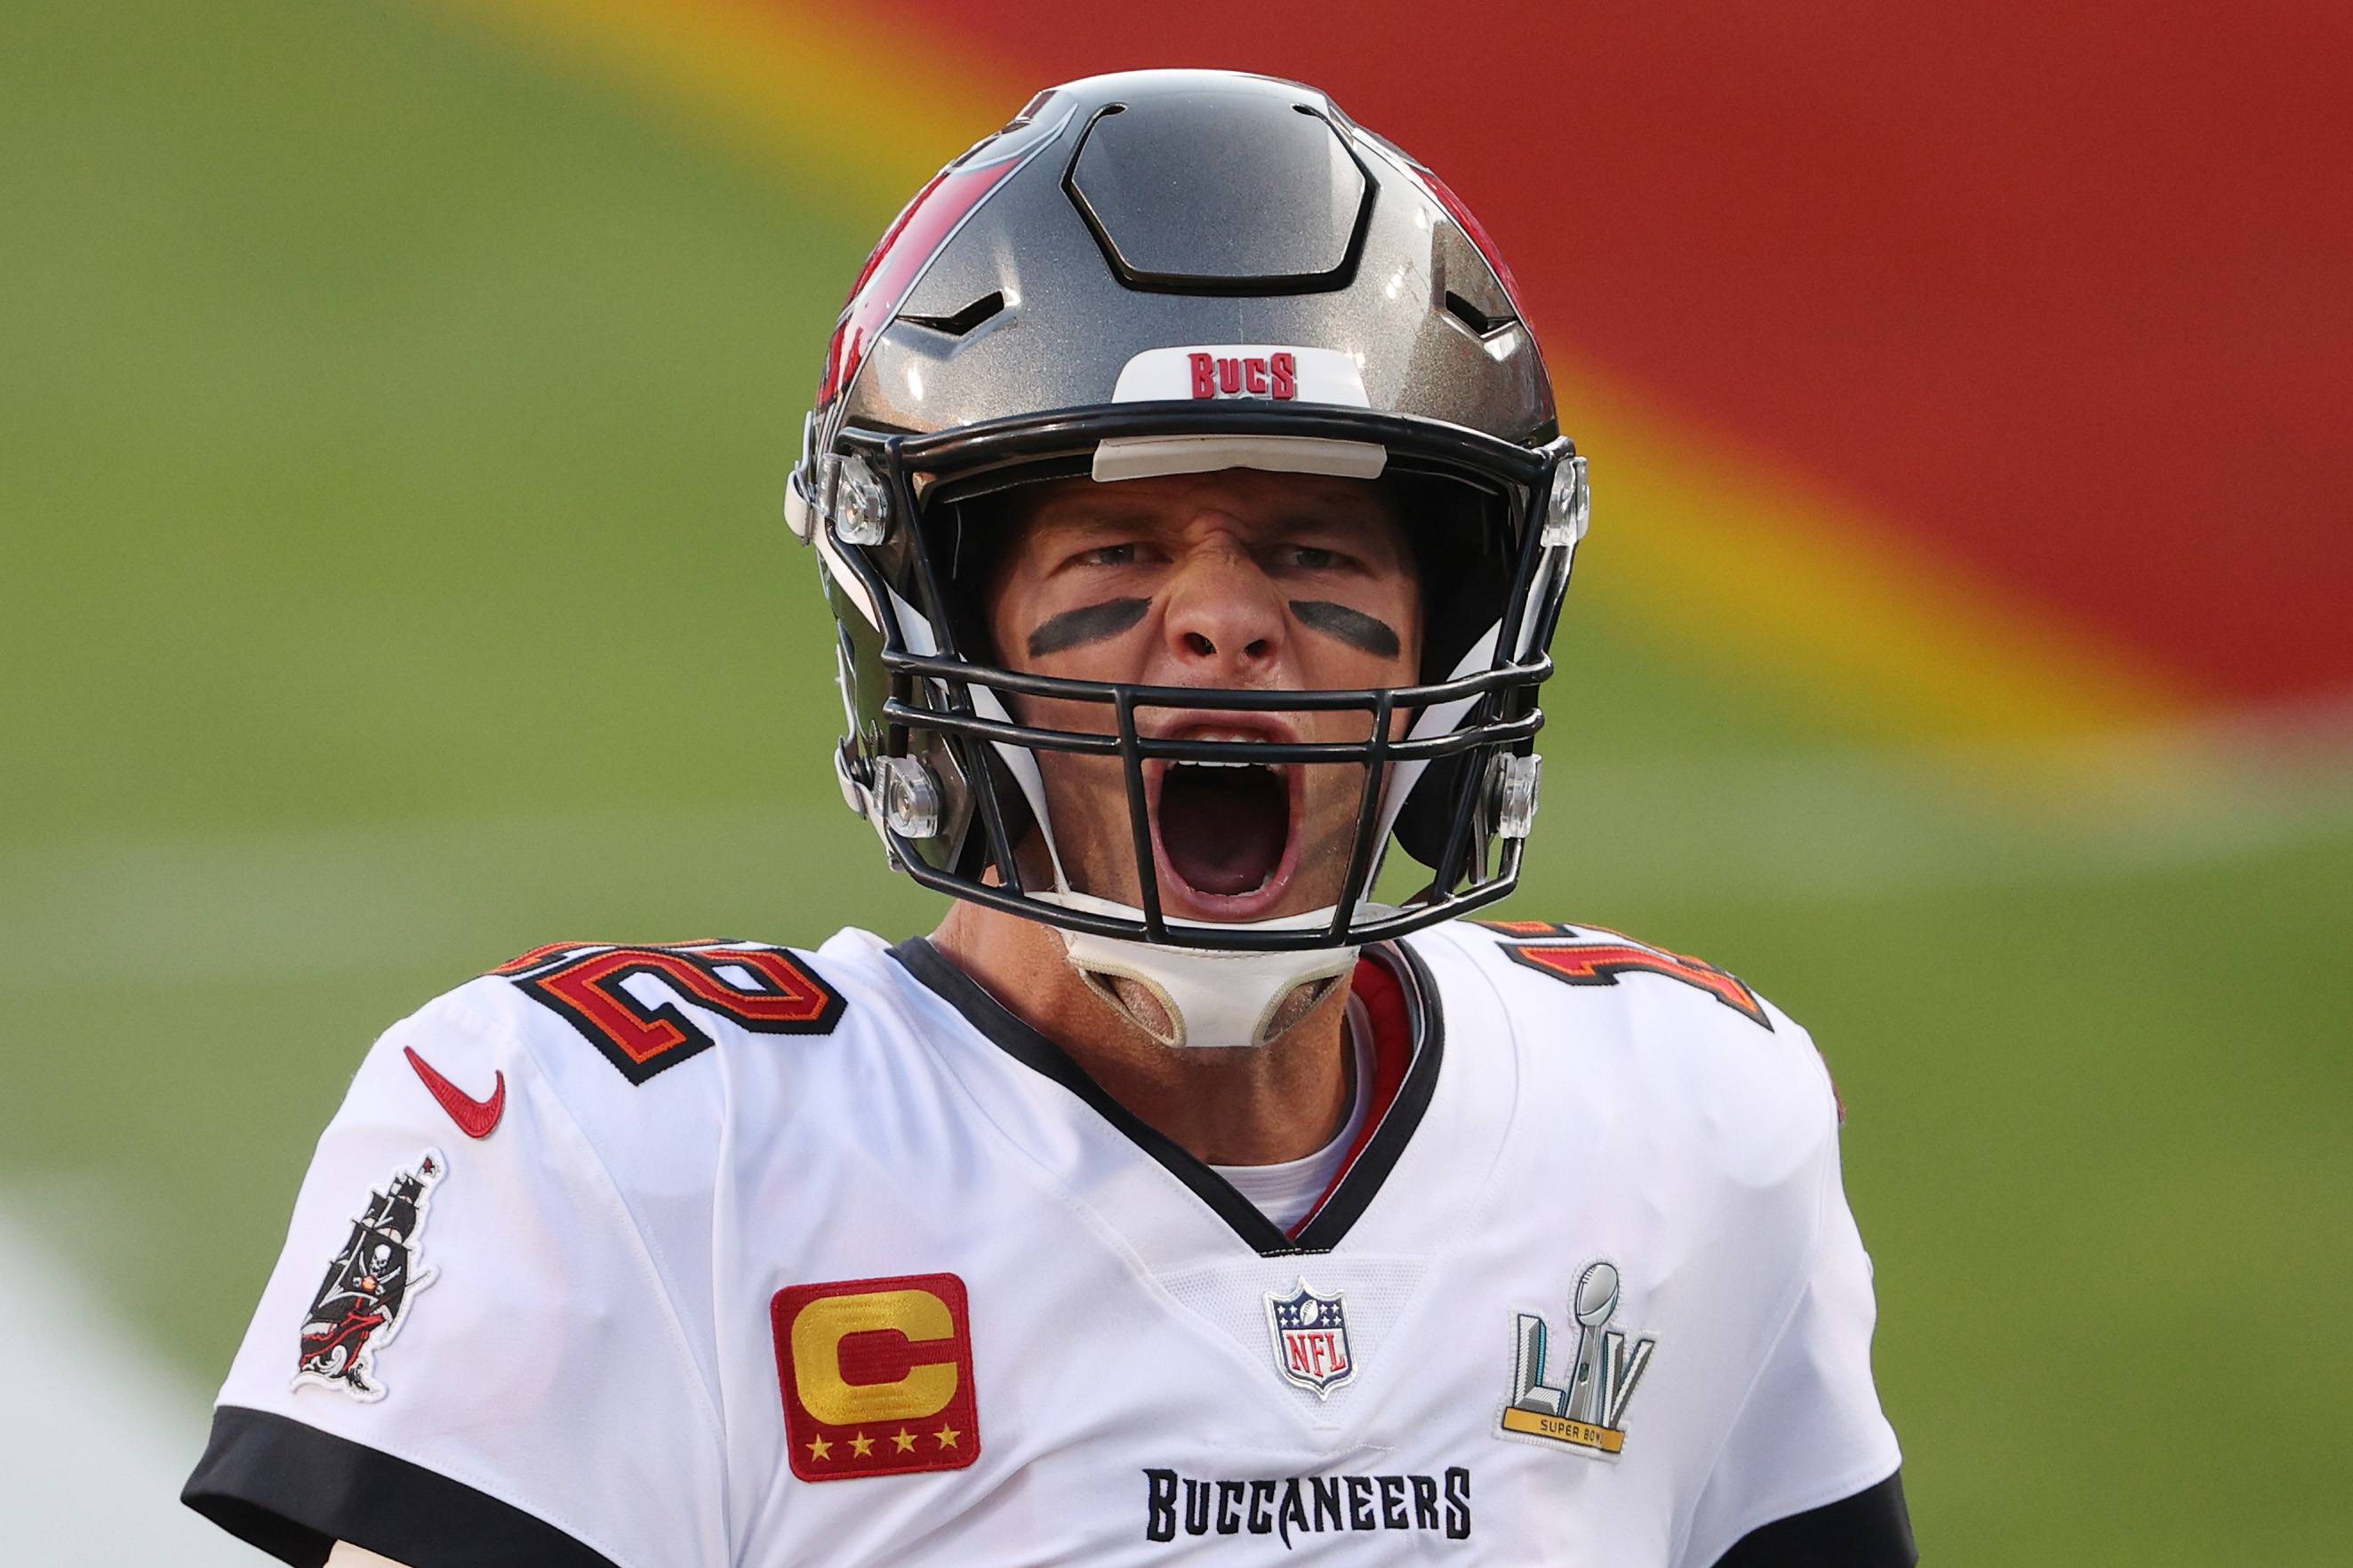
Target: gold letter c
824,1323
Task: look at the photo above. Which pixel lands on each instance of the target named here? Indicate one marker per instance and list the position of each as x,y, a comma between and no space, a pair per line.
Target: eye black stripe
1353,627
1088,623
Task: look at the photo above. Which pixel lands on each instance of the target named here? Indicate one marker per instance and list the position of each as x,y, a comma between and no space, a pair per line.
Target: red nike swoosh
475,1118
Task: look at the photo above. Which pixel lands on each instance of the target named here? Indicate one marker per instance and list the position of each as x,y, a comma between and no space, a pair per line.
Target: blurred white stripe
370,899
99,1433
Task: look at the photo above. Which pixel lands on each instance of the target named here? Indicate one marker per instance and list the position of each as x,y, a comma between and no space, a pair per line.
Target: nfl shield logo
1311,1338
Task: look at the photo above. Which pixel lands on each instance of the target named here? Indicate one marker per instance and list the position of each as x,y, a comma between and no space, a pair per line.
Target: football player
1187,491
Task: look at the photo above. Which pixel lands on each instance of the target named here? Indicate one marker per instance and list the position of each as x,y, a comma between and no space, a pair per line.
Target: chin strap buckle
909,797
1516,781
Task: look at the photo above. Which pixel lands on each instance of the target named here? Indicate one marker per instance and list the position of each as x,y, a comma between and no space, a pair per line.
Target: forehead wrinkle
1085,515
1087,509
1349,520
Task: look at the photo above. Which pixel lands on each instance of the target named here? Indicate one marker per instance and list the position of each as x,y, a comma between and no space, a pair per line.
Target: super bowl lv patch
1585,1412
364,1298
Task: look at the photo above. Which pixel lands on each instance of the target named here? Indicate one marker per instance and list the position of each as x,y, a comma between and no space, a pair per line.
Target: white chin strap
1209,1000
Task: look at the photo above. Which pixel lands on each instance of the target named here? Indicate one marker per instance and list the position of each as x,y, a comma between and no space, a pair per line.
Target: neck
1252,1107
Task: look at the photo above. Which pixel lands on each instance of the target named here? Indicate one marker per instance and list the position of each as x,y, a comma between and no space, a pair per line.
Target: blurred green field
395,426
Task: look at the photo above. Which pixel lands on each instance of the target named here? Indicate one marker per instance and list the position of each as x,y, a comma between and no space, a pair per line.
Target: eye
1314,558
1107,555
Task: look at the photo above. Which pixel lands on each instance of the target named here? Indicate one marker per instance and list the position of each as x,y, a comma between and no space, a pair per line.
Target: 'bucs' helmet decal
1161,272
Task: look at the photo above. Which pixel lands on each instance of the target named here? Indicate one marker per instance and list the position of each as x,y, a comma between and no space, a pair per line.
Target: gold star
947,1436
905,1439
821,1449
861,1445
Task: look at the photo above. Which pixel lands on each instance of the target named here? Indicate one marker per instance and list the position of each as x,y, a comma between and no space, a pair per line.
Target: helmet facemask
953,779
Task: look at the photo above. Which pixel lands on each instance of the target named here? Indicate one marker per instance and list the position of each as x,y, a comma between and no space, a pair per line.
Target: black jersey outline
1358,1185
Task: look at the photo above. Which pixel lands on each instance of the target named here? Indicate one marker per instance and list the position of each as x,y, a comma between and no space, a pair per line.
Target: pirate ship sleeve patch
365,1295
468,1283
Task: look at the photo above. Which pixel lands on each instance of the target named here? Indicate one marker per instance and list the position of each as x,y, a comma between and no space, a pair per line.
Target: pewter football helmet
1177,271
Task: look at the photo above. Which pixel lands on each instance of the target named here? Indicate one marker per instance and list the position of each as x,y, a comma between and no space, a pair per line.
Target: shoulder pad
1696,1035
1596,956
653,1025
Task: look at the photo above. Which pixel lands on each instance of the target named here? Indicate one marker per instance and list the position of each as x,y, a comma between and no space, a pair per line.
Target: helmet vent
1471,316
960,322
1214,191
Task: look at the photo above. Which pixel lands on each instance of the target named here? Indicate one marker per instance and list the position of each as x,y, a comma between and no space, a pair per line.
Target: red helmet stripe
1469,223
906,248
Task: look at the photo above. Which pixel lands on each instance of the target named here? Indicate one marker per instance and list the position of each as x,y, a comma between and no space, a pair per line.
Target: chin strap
1209,1000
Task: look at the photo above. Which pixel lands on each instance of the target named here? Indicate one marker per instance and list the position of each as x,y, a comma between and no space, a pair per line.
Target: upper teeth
1219,734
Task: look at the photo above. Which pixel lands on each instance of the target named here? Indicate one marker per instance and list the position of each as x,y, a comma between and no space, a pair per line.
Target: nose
1224,619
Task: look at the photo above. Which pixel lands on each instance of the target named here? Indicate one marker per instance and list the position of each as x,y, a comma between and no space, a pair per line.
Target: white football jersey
723,1255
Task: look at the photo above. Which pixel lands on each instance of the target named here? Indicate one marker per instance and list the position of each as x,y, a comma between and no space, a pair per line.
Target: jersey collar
1409,1040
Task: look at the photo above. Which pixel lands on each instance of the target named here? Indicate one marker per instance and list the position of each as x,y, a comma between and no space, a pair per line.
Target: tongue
1223,828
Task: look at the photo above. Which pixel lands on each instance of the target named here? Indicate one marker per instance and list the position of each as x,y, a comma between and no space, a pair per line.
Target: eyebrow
1088,623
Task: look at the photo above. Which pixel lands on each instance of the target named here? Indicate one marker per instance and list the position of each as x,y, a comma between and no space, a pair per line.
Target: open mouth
1225,830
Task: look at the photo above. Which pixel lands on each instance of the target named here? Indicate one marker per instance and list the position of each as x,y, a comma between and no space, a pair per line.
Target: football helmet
1179,271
